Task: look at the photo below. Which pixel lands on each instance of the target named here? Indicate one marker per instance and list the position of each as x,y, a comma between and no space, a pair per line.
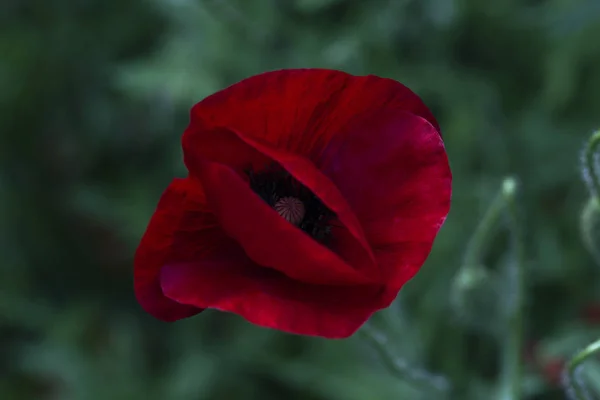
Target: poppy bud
474,297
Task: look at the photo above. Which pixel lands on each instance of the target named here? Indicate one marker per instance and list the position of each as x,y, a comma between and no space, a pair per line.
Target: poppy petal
301,110
180,230
399,188
213,145
233,283
267,238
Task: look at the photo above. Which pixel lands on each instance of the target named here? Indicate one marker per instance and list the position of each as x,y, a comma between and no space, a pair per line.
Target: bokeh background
94,97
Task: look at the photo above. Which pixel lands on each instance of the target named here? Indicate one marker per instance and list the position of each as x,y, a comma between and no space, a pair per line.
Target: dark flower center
293,201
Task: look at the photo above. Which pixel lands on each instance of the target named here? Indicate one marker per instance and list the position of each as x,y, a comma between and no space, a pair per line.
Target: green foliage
95,95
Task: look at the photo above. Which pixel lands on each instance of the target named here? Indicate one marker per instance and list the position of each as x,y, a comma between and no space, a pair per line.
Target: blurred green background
94,95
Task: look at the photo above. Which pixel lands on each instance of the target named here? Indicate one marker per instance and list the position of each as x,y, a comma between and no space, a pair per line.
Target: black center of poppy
293,201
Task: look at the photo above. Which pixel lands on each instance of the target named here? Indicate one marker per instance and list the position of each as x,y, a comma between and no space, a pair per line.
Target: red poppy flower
313,196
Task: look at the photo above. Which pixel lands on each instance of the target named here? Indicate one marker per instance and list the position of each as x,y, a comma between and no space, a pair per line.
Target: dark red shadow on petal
394,173
233,283
153,252
350,245
223,146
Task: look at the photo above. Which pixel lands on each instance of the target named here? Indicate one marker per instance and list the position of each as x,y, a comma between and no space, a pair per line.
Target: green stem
477,243
590,172
510,388
574,366
400,367
589,225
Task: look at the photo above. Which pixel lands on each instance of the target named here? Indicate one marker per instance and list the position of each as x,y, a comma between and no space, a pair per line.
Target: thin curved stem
510,388
574,385
477,243
589,224
401,367
590,172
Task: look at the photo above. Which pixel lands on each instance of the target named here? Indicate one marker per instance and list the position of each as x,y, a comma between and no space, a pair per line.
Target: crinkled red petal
394,173
301,110
233,283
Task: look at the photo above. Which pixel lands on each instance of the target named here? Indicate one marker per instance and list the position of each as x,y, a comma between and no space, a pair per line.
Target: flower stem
590,172
510,388
572,381
479,239
589,224
401,367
